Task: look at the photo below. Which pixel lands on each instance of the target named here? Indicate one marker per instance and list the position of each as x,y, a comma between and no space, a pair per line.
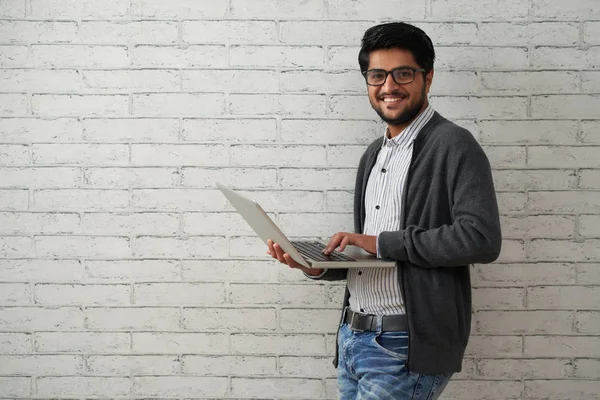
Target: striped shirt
376,290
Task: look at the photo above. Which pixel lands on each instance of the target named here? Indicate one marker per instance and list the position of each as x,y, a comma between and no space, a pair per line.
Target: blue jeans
372,366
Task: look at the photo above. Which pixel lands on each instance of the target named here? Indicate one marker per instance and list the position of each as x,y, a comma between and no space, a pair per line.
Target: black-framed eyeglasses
401,75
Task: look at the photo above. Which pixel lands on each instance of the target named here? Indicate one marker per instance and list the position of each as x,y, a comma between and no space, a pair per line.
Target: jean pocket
394,344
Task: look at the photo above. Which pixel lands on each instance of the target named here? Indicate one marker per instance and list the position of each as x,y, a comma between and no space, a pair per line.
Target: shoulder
447,136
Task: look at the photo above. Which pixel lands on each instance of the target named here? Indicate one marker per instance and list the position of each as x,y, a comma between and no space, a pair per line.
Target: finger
333,243
344,242
279,253
270,249
291,262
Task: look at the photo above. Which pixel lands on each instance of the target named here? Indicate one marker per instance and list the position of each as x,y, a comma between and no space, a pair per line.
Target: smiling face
397,104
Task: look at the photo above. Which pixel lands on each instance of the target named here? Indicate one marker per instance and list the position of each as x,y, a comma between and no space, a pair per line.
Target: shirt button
383,170
377,207
362,310
360,272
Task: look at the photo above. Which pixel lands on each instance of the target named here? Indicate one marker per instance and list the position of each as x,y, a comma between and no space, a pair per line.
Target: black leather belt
368,322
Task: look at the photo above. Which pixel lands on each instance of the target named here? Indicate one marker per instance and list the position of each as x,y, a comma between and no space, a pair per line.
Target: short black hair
397,35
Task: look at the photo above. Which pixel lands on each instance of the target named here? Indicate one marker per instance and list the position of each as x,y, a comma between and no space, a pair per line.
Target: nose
390,85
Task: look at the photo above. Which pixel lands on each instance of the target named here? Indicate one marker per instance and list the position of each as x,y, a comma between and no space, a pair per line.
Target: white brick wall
125,274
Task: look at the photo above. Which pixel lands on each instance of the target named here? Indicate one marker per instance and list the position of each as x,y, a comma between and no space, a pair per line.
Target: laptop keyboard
313,251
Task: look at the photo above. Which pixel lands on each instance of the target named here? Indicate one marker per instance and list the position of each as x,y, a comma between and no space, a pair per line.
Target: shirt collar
409,134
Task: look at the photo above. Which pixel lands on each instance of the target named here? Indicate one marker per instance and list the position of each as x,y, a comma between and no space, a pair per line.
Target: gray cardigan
449,221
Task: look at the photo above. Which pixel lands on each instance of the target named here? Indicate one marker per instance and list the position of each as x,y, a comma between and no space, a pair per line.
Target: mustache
395,93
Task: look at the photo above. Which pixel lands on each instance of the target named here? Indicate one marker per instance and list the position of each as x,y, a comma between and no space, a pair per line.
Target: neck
396,129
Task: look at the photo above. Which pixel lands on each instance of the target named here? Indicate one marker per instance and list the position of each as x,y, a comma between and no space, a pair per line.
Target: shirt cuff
315,276
377,247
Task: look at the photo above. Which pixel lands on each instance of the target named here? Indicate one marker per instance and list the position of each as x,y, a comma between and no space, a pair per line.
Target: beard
410,112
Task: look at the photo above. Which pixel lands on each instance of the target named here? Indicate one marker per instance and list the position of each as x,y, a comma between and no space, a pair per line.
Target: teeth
391,99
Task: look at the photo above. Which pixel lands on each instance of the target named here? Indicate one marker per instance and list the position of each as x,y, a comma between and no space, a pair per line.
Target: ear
428,80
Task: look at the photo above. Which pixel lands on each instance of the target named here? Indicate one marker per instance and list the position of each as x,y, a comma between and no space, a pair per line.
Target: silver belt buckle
352,323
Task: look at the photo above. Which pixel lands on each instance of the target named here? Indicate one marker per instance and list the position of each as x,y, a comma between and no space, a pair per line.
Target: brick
69,56
587,368
228,271
87,9
321,225
556,9
278,9
590,81
563,297
177,104
123,224
52,294
83,386
120,32
38,223
229,32
342,57
329,131
309,321
27,32
84,199
587,321
179,293
235,81
215,224
527,322
25,130
283,388
178,199
14,56
449,32
132,80
132,270
565,157
191,247
296,295
15,294
562,389
79,105
588,273
350,107
38,318
321,81
15,246
531,81
132,318
82,246
562,250
323,32
535,179
279,344
122,178
13,104
39,177
506,156
488,9
563,201
565,57
562,346
13,342
41,365
591,32
180,386
41,270
96,154
131,130
132,365
229,130
289,200
473,57
494,346
280,104
525,368
230,319
309,367
528,131
456,83
247,247
276,56
225,365
480,107
12,9
40,80
179,57
589,225
589,130
510,201
82,342
344,155
528,33
524,274
502,298
236,177
512,250
538,226
339,201
14,154
179,9
490,390
15,386
189,343
287,155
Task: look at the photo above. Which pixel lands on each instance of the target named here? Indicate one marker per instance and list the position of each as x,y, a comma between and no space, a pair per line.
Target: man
424,197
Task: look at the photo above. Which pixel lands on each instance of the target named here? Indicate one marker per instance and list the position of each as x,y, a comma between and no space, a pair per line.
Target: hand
275,251
342,239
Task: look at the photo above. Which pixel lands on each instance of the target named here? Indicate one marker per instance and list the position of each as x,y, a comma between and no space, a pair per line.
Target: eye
403,73
376,75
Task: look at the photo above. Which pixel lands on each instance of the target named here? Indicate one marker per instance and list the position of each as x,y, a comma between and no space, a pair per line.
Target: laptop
306,253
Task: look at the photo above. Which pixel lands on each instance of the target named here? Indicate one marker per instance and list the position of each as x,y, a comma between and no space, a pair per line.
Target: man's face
398,104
